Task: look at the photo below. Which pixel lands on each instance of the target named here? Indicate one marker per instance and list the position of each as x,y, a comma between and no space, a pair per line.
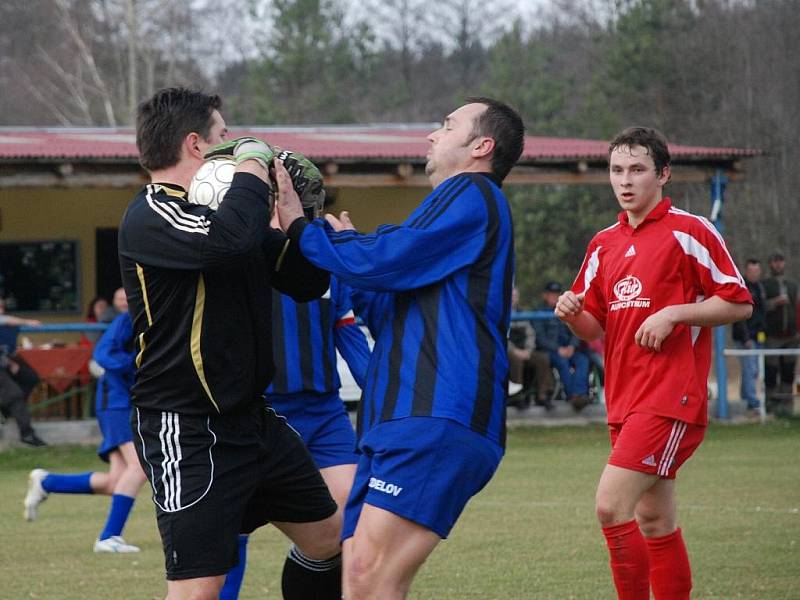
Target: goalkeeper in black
198,282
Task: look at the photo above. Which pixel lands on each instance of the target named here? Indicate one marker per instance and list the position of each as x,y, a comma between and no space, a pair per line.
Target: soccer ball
211,182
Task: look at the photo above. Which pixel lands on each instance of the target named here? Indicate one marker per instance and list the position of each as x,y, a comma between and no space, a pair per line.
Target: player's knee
608,513
197,591
325,542
654,524
359,574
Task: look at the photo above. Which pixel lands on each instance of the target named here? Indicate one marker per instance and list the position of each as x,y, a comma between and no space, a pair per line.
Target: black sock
307,579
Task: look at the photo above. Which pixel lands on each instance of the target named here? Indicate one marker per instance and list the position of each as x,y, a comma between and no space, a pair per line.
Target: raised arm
582,323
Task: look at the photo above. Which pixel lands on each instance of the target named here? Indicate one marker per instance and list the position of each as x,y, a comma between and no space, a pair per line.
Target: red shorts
653,444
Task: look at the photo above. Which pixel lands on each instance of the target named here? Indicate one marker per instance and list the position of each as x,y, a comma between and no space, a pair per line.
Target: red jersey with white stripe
672,257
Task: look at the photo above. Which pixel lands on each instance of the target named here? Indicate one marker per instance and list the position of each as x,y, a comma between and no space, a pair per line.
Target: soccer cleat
114,545
33,440
36,493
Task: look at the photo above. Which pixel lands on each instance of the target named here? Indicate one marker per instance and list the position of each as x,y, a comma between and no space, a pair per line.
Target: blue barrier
61,327
531,315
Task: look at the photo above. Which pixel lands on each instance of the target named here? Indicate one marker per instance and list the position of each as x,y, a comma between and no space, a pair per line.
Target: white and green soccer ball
211,182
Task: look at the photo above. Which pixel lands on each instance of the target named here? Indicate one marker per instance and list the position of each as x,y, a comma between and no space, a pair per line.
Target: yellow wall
370,207
30,214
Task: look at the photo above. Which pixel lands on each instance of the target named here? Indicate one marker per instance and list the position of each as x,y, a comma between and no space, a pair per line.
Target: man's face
752,272
451,145
777,266
120,301
636,184
216,133
550,298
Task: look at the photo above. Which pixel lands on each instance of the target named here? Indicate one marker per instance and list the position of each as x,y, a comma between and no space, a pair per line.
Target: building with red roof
63,190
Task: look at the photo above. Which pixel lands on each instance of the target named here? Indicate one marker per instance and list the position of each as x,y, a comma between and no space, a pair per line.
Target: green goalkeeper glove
242,149
306,180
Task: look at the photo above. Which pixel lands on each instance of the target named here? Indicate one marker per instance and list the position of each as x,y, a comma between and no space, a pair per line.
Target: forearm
709,313
19,322
584,326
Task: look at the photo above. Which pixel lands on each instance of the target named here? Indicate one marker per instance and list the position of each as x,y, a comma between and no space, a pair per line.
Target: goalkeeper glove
242,149
306,180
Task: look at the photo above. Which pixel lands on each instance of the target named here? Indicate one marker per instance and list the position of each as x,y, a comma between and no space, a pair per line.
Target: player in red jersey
655,282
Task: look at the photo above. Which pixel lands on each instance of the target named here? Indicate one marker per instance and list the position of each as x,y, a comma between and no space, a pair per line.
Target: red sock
630,564
670,573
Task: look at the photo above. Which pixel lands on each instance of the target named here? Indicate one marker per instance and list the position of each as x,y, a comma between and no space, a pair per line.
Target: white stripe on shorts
671,449
171,500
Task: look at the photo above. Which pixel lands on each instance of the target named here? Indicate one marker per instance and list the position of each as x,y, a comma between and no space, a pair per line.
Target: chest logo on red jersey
628,292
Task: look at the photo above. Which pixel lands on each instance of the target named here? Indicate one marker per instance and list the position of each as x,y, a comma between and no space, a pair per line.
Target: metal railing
762,353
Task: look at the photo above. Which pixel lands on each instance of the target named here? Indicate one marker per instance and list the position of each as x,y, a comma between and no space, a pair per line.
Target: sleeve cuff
251,183
296,229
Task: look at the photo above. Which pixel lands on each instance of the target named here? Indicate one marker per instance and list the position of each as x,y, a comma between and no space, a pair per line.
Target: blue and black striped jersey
305,337
436,294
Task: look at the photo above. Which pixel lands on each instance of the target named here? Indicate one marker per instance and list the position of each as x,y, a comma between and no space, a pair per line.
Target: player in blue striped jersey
435,292
305,390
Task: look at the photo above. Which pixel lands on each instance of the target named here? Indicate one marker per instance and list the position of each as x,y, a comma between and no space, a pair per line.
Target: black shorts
214,477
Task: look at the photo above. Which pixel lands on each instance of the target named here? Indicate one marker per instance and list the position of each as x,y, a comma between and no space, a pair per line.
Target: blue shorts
424,469
115,425
323,423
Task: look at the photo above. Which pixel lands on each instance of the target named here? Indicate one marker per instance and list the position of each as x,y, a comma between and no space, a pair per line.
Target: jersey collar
661,209
172,189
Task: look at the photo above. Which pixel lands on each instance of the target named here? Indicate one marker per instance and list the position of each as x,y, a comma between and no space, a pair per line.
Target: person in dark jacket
780,326
750,333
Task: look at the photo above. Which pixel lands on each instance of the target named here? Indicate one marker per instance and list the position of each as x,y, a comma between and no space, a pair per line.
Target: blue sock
120,509
77,483
233,582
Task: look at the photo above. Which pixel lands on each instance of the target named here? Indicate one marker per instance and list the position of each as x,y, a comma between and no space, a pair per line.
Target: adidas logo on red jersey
650,461
631,252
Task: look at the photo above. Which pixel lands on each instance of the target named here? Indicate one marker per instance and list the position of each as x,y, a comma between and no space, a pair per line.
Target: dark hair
753,261
90,306
647,137
504,125
163,121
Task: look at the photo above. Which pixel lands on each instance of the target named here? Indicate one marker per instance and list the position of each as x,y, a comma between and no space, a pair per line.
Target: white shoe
114,545
36,493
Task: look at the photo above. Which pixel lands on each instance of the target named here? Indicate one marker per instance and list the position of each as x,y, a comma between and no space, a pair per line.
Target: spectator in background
98,311
781,327
119,302
17,378
750,333
561,345
528,367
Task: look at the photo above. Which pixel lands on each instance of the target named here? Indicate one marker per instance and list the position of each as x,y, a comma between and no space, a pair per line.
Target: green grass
530,534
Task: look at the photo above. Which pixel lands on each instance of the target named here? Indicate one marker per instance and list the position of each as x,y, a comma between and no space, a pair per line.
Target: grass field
530,534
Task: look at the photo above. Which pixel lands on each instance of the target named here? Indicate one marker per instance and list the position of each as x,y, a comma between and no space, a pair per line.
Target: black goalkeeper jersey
199,284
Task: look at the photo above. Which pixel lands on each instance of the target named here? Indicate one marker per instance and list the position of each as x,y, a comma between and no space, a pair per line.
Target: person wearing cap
781,328
561,345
